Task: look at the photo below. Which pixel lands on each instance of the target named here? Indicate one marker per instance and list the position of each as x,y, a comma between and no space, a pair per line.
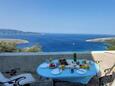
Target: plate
56,71
81,71
44,65
69,66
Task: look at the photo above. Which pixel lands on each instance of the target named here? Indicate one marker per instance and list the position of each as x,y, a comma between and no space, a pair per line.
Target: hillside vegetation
11,47
111,44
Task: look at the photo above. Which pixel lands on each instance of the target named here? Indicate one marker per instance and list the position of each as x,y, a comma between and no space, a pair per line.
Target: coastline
100,39
17,41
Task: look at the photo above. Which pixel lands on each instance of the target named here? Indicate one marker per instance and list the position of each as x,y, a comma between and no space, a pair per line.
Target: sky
59,16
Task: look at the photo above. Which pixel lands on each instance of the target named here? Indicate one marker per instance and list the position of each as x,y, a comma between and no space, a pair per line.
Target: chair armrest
10,82
12,72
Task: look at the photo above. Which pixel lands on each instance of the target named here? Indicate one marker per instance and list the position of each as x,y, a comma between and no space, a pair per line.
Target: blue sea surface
62,42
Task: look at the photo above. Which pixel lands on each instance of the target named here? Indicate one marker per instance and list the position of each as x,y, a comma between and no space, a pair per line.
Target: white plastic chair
18,80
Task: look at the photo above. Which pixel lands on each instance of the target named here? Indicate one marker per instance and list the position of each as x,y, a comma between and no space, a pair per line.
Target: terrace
28,63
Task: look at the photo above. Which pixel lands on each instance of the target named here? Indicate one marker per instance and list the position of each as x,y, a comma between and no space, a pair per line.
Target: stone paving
93,82
49,82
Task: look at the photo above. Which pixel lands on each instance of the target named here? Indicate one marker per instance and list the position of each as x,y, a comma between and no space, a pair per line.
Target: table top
66,73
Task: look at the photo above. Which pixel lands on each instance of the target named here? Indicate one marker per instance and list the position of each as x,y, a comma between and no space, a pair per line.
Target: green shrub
111,45
111,48
34,48
7,46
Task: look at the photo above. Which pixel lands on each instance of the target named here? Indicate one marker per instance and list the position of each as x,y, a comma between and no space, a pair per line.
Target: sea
62,42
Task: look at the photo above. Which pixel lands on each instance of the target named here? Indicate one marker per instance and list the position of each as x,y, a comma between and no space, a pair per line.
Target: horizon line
58,32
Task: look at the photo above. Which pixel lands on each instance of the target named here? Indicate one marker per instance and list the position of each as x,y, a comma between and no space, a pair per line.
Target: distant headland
110,41
16,32
100,39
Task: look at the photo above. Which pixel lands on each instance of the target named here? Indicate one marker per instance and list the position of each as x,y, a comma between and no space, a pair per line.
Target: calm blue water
62,42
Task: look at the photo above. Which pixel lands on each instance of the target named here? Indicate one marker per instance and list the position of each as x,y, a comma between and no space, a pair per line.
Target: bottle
62,66
75,57
50,60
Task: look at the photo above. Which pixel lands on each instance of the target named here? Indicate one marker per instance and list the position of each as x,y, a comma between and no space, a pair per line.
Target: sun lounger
18,80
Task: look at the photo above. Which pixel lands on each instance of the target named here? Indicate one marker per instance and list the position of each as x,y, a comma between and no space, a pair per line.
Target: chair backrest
3,78
110,70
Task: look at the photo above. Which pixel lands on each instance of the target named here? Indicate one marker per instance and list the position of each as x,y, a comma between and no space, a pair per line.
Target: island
16,41
101,39
109,40
10,44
